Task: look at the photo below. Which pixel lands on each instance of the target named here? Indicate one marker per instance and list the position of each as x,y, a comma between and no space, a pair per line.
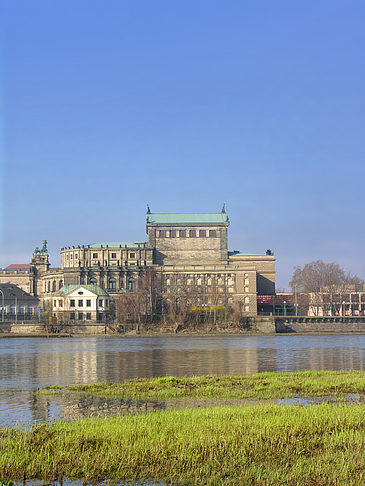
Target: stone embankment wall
36,328
253,325
318,325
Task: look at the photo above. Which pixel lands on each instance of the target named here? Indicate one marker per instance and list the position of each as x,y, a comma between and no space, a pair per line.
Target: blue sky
108,106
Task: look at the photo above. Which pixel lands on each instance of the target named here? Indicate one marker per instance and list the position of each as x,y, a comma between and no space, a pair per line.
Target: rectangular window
55,303
114,255
72,316
72,303
192,234
202,233
95,255
81,316
132,255
88,303
60,303
212,234
101,303
172,233
88,316
162,233
182,234
81,303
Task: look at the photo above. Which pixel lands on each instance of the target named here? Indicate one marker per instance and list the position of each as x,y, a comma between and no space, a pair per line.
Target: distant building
16,304
338,300
186,250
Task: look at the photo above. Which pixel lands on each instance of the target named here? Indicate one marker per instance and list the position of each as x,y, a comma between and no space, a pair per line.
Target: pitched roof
186,218
18,266
11,291
67,289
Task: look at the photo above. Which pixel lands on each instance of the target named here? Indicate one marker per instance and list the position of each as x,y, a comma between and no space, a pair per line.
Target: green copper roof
119,244
186,218
67,289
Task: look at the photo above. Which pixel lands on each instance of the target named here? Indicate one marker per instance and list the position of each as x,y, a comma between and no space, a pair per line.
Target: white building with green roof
79,303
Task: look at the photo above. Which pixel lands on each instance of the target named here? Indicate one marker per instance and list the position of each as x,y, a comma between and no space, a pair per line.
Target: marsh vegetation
251,445
259,386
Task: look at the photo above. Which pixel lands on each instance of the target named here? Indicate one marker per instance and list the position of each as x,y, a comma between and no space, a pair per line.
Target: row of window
112,283
80,316
96,255
52,286
113,255
191,233
22,309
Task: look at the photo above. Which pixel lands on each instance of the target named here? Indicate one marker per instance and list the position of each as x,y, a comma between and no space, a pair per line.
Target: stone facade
186,250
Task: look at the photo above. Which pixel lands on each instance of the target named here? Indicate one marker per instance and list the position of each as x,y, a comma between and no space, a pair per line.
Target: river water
29,363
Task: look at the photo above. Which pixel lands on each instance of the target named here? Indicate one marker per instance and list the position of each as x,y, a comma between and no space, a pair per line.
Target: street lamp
16,304
284,307
2,305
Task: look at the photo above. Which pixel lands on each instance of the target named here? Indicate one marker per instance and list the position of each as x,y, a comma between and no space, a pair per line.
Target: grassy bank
260,386
252,445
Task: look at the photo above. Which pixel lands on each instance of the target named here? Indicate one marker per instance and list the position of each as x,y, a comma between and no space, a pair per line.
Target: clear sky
109,105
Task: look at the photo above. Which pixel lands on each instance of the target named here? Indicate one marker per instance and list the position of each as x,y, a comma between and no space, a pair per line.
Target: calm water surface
29,363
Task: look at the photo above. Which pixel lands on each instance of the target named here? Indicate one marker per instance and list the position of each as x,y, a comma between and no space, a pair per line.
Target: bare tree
327,284
316,275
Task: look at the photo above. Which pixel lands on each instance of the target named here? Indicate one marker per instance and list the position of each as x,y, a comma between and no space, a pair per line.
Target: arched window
21,309
60,284
49,286
131,284
30,309
93,281
54,286
112,284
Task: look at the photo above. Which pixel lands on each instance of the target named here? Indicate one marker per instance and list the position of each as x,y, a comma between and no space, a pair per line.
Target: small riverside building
78,303
16,304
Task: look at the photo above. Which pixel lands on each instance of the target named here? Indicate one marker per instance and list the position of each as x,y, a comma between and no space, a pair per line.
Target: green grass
260,386
251,445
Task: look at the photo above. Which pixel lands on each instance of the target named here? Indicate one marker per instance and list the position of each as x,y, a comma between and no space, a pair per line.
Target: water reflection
29,363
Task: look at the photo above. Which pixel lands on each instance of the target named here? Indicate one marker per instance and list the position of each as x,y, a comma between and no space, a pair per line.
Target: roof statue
224,209
148,209
41,251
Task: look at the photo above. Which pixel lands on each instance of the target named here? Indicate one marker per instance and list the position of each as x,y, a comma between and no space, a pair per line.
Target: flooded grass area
258,386
255,444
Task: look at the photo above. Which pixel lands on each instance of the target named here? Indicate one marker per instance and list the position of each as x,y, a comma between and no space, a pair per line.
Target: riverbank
258,386
251,445
258,325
